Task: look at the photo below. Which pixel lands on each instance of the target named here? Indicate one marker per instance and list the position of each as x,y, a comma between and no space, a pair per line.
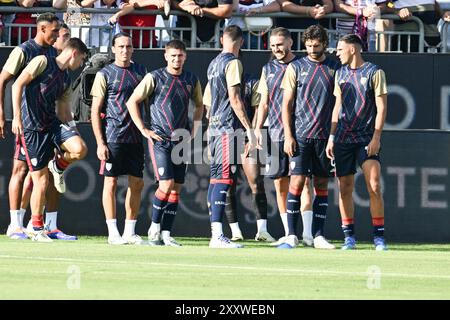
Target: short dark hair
316,32
280,31
233,32
47,17
176,44
77,44
118,35
352,39
64,26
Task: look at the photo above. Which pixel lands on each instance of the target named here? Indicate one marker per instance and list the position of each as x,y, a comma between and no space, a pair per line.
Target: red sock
37,222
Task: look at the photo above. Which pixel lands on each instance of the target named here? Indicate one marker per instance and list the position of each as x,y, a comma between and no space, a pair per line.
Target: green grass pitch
91,269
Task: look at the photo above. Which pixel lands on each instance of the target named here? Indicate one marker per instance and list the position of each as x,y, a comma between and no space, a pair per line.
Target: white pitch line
274,270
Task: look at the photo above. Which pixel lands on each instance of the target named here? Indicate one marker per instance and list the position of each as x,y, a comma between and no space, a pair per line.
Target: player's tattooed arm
5,77
237,104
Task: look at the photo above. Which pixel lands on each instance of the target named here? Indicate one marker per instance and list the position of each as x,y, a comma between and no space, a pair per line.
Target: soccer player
168,92
306,112
119,142
357,122
41,91
270,108
63,37
19,58
251,167
227,109
52,195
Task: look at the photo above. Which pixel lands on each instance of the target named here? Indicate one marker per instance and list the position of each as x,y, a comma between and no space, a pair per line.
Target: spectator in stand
206,14
363,10
445,17
426,10
252,7
20,35
140,38
100,29
78,22
311,12
5,17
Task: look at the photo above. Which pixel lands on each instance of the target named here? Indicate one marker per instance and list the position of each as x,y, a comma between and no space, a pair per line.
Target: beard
317,55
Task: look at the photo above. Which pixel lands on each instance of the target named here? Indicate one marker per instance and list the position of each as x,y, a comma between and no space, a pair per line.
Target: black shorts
124,159
278,162
310,159
348,154
37,147
165,166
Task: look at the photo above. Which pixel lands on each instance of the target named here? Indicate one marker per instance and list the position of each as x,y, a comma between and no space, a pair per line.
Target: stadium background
415,162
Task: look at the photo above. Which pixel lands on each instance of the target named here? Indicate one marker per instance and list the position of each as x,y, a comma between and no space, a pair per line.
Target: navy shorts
347,155
37,147
165,167
278,162
225,151
310,159
124,159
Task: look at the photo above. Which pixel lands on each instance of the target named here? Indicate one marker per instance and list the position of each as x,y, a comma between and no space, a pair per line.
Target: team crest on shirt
22,151
34,161
331,72
108,166
233,169
363,81
189,88
161,171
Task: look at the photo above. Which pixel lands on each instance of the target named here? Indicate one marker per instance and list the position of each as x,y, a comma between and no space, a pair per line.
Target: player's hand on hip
373,147
149,134
17,126
329,150
103,152
289,146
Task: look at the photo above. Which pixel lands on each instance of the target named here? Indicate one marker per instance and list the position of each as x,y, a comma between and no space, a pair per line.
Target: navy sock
170,212
158,205
378,231
210,191
260,205
320,206
293,209
218,199
378,226
349,230
230,205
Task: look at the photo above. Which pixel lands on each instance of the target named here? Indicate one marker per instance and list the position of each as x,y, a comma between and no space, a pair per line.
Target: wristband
72,124
331,137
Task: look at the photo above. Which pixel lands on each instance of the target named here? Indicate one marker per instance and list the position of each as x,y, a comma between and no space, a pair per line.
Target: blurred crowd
96,29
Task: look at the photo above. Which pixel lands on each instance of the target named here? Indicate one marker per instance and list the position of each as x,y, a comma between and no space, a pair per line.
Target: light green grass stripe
276,270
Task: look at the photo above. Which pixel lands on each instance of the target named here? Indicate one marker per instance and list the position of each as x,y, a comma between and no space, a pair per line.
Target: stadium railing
391,38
